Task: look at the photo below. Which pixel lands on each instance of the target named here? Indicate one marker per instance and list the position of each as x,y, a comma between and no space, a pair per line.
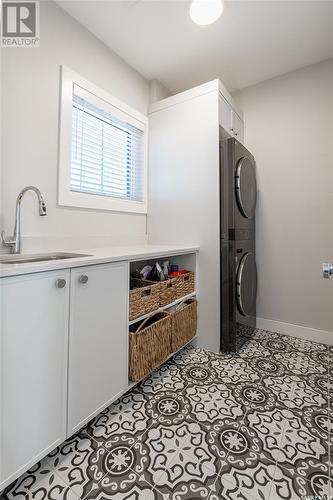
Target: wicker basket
144,297
184,324
185,284
168,291
149,344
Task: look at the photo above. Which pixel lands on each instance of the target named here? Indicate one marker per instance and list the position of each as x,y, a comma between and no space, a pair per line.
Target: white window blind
107,152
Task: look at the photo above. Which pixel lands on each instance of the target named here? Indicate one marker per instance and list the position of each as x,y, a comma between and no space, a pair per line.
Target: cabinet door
236,126
225,115
98,370
33,371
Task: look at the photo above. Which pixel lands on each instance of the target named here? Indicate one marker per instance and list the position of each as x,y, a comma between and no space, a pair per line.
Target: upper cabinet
237,126
230,120
225,114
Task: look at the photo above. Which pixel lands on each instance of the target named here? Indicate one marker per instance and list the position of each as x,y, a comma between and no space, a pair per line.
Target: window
102,160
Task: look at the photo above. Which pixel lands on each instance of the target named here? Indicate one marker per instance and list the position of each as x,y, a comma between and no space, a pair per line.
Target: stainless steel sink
26,259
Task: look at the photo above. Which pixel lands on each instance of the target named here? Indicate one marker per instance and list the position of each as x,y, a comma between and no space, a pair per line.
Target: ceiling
252,41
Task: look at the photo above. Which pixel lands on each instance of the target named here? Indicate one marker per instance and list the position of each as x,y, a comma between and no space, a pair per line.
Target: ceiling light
206,11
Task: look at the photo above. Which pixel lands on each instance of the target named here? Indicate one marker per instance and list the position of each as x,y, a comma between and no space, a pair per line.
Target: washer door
246,187
246,284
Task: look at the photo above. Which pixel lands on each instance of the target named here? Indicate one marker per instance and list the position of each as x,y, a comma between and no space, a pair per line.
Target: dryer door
246,187
246,284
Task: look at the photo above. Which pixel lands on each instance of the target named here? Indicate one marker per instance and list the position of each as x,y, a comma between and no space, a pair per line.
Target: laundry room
166,253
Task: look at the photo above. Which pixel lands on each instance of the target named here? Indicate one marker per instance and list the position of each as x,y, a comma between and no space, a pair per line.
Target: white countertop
94,256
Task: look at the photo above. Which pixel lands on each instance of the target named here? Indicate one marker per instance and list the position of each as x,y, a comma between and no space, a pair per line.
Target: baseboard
295,330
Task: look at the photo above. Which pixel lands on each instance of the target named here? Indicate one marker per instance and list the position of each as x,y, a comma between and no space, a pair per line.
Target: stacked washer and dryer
238,194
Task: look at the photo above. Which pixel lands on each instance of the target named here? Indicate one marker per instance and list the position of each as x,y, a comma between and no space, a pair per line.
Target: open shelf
186,261
178,301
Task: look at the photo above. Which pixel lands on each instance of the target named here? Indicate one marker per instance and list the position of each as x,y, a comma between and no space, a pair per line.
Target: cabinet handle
60,283
83,279
235,133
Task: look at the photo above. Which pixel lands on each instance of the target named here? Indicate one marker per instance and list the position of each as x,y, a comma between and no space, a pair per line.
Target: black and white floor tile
253,425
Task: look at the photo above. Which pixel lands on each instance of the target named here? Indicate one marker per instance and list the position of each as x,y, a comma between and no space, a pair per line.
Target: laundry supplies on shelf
155,286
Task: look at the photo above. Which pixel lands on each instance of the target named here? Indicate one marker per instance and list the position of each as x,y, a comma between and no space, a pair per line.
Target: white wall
30,98
157,91
289,129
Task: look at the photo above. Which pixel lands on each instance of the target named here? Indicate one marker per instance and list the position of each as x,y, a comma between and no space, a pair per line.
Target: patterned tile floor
252,425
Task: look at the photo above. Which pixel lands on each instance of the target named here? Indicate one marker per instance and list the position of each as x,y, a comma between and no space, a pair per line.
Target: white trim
69,198
295,330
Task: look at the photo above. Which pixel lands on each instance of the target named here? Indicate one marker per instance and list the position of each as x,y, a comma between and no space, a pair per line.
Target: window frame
76,199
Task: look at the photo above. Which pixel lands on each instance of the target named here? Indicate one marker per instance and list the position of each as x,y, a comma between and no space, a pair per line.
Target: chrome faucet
15,241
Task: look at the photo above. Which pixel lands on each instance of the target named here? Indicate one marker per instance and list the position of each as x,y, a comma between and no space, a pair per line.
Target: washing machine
238,196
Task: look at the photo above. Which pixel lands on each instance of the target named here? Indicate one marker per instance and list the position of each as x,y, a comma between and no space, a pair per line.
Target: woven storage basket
144,297
168,291
185,284
149,344
184,324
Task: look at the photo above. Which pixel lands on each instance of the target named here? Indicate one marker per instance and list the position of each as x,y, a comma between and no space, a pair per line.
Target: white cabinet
33,371
63,347
236,126
225,114
230,120
98,339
